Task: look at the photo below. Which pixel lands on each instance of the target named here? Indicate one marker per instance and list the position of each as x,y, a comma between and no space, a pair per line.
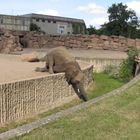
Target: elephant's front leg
58,68
50,64
44,69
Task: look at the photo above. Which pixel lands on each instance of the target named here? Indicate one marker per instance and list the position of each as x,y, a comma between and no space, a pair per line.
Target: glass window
37,19
43,20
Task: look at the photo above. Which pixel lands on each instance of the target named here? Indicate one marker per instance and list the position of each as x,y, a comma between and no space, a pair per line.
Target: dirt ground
91,53
12,68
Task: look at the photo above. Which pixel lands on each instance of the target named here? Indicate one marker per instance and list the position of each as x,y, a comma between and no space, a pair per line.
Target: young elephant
59,60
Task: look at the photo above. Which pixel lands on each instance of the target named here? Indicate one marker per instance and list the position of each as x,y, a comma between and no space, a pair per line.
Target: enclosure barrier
25,98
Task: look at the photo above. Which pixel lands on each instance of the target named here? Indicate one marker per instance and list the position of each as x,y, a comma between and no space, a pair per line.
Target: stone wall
9,42
99,64
13,41
22,99
102,42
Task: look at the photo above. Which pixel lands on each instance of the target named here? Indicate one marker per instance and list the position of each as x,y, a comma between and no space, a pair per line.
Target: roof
57,18
14,16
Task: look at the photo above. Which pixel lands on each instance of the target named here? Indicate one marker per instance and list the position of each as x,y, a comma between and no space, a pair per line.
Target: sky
93,12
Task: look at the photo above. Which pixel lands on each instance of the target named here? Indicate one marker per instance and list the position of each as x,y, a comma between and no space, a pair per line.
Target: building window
1,21
61,29
23,22
68,25
43,20
49,21
54,21
37,19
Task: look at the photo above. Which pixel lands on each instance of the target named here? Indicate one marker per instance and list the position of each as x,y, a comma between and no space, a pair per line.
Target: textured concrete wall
99,64
24,98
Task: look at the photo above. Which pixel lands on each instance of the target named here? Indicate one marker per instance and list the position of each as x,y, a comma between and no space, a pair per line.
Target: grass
101,85
116,118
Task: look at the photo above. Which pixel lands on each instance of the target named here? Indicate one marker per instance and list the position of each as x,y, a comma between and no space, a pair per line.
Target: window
23,22
54,21
1,21
37,19
61,29
68,25
43,20
49,21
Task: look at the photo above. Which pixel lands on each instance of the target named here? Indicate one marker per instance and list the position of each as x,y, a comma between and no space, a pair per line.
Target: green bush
127,67
34,27
126,70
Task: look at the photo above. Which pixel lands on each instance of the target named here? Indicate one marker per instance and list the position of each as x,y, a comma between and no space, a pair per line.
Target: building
19,23
54,25
58,25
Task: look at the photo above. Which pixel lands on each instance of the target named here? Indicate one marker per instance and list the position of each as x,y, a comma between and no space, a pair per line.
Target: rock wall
13,41
102,42
9,41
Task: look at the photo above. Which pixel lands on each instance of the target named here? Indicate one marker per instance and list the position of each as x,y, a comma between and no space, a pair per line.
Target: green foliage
103,83
121,21
34,27
132,53
125,73
127,69
78,28
91,30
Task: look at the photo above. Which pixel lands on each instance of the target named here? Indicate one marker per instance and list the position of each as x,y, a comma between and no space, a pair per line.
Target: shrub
127,67
34,27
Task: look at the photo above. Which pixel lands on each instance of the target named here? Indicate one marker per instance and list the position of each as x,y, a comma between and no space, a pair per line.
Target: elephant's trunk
79,90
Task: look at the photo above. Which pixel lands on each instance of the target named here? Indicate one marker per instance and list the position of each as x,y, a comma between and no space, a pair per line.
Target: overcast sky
94,12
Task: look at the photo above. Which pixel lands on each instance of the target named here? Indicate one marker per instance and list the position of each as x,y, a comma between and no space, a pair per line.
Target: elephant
59,60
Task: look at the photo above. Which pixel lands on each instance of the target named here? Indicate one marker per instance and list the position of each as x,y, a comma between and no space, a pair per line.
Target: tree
34,27
91,30
122,21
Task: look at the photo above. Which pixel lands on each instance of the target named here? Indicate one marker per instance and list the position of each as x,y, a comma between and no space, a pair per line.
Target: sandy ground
91,53
12,68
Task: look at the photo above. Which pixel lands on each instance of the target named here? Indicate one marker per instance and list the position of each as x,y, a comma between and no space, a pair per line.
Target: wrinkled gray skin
59,60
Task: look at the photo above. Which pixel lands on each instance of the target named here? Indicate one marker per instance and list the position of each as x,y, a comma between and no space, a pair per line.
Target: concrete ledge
25,98
100,63
29,127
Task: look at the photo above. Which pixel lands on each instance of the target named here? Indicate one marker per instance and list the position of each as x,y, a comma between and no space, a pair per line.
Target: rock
30,57
18,49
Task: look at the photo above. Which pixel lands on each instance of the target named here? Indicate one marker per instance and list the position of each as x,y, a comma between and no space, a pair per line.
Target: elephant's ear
79,77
